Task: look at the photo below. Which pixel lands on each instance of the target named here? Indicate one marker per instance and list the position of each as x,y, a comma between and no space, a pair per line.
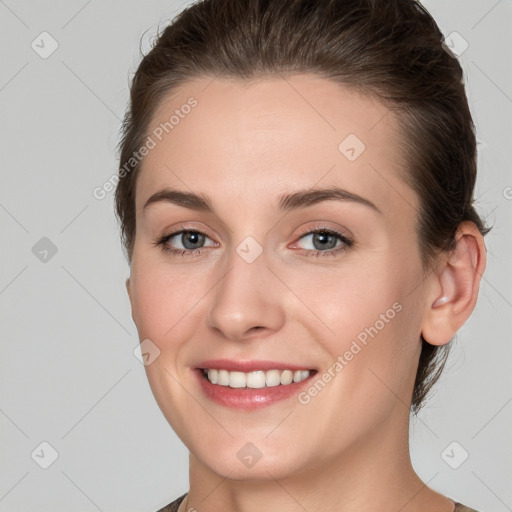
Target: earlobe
128,288
455,286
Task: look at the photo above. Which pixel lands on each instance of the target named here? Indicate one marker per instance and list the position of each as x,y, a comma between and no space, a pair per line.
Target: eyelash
347,242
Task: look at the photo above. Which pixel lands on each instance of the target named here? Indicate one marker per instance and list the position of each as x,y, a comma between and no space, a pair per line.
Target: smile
256,379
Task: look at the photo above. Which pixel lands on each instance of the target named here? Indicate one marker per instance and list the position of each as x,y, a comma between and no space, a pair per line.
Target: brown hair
389,49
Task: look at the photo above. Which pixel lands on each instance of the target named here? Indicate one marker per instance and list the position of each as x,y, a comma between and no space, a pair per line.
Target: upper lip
249,366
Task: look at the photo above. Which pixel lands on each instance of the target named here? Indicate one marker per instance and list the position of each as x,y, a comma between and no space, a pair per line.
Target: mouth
260,385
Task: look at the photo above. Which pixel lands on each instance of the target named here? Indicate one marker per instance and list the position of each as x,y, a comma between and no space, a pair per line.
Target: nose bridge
242,299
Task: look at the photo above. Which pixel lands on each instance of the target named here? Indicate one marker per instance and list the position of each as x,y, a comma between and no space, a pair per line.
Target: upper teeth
256,379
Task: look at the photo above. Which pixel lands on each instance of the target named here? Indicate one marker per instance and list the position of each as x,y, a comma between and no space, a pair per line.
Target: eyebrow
287,202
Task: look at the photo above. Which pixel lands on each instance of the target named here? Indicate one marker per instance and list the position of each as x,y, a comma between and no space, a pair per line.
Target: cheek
353,298
161,300
371,320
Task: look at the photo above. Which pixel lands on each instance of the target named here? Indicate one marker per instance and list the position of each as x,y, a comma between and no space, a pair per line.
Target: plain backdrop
73,396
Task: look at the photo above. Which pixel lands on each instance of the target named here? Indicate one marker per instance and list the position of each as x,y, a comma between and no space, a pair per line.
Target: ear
128,289
455,285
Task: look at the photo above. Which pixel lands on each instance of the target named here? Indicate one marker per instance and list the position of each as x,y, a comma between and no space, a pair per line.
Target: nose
247,301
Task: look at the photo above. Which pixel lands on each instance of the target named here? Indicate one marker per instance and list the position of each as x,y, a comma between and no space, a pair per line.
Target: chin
243,460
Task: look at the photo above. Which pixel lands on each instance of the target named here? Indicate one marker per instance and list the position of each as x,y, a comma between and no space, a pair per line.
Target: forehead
251,140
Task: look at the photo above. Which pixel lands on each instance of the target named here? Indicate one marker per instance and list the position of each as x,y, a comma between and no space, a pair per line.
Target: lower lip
248,398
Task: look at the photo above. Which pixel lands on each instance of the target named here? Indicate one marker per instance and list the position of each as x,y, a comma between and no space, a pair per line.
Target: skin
244,145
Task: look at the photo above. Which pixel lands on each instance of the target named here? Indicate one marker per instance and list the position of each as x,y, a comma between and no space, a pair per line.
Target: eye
189,240
324,242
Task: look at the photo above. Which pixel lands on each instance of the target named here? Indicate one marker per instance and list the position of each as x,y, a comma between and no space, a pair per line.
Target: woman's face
347,302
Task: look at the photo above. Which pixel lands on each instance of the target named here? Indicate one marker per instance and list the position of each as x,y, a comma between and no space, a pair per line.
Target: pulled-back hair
391,50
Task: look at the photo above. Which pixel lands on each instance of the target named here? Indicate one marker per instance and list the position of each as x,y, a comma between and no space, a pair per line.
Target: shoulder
173,507
459,507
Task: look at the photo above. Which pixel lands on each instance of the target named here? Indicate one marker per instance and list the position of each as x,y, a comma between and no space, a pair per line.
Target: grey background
68,374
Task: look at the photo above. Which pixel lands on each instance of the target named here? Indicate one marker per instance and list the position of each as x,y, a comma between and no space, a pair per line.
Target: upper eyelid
346,239
182,229
302,234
